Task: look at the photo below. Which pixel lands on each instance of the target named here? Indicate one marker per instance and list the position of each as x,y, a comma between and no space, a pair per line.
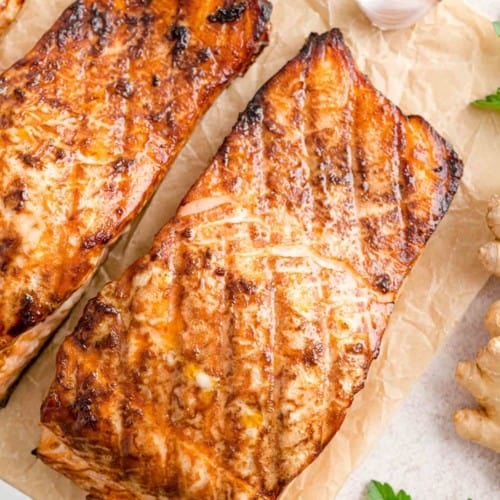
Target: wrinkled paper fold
434,69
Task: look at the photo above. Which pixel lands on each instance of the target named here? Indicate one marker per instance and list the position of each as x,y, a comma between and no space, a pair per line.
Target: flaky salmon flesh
90,121
221,363
9,10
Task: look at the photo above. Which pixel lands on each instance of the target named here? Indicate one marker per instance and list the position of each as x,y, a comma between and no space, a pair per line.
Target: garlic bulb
395,14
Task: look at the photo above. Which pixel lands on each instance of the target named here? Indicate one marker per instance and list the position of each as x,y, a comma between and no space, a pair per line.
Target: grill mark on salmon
316,352
92,119
253,321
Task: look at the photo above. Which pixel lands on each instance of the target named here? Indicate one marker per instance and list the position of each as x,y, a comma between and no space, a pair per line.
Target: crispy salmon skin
222,363
90,121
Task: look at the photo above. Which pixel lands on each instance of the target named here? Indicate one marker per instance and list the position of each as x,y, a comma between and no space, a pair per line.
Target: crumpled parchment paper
434,69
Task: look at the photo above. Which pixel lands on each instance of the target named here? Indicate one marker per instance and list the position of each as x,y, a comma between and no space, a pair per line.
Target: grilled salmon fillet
90,121
221,363
8,12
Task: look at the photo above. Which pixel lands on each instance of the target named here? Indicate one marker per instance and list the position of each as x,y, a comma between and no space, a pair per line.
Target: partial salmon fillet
90,122
221,363
8,12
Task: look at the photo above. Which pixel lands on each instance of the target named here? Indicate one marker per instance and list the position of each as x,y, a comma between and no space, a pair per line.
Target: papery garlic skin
394,15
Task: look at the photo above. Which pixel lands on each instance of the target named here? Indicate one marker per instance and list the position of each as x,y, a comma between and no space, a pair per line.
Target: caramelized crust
221,363
90,121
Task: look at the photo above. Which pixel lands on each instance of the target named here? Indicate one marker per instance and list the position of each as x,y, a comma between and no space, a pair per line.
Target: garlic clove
392,15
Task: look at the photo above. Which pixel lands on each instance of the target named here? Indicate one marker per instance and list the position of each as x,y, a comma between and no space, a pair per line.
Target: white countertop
420,451
9,493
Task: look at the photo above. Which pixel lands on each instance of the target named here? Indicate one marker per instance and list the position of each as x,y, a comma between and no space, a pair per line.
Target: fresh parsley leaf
402,495
383,491
491,101
496,26
379,491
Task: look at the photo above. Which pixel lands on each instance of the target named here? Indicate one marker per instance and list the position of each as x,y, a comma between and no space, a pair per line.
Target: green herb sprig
491,101
383,491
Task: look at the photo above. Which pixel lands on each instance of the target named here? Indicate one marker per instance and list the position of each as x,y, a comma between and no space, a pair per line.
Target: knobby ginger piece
482,377
489,254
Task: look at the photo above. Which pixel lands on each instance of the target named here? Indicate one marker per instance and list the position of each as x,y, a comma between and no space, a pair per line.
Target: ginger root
482,377
489,254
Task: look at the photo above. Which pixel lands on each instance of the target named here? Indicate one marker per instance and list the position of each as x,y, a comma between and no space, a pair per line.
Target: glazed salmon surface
222,363
90,121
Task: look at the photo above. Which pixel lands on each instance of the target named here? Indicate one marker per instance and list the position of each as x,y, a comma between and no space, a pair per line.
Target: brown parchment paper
433,69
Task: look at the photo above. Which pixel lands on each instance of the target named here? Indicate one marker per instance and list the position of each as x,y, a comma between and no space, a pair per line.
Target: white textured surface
420,451
9,493
488,8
